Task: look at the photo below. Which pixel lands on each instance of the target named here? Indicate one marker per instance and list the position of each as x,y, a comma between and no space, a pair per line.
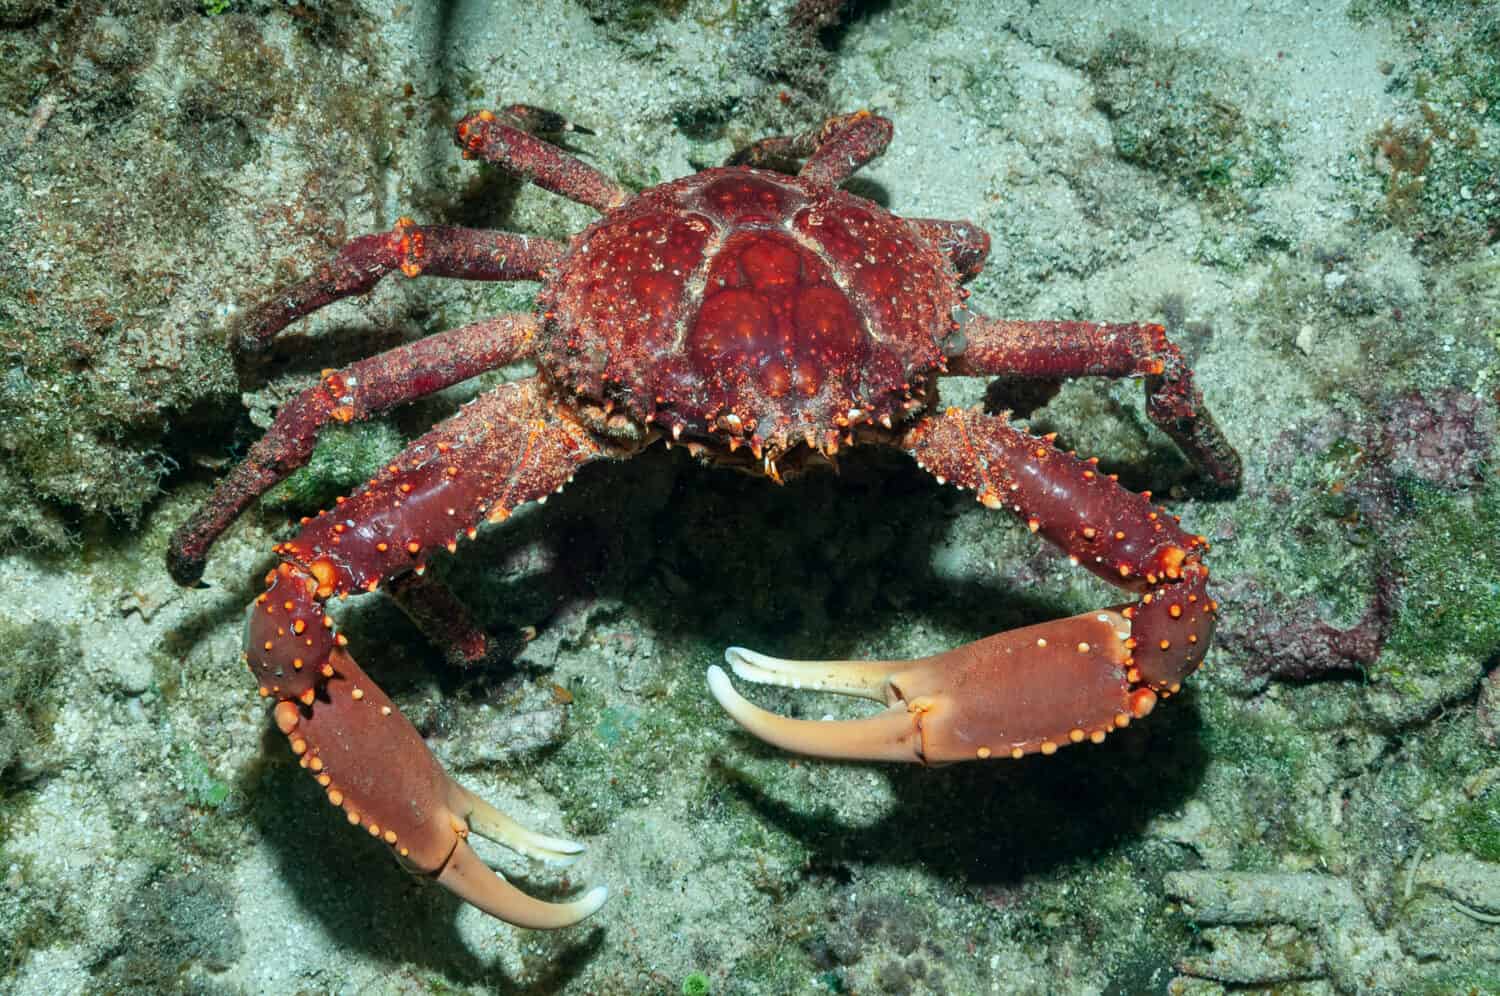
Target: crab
764,320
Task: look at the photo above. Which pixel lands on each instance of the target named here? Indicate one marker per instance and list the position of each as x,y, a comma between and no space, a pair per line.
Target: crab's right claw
374,766
1024,691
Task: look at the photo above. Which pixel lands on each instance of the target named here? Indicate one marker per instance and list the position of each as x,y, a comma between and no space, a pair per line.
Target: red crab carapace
762,320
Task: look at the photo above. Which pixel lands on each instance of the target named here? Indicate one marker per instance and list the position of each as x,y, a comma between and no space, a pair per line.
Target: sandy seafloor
1308,194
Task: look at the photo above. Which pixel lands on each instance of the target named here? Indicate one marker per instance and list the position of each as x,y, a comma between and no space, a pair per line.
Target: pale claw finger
492,824
863,679
474,882
891,736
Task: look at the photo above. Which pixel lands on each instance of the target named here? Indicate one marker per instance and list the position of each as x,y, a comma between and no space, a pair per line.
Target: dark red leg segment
965,244
355,392
508,447
290,640
835,150
1117,534
848,143
1171,628
484,135
445,620
1175,404
415,250
780,152
538,120
1060,350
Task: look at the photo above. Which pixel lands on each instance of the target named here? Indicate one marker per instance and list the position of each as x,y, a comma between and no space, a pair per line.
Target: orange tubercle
323,571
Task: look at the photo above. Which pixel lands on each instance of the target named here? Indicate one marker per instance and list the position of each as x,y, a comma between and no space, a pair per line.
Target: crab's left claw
1019,692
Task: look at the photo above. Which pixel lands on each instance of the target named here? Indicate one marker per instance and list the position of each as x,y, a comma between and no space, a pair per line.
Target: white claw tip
721,687
558,853
589,903
735,657
750,665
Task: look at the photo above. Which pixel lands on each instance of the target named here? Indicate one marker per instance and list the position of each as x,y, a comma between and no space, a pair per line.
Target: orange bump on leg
323,571
286,717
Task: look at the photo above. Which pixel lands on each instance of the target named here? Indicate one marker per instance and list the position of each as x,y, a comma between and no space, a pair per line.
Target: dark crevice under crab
764,321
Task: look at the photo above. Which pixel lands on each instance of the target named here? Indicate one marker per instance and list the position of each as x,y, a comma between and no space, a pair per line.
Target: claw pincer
1026,690
373,764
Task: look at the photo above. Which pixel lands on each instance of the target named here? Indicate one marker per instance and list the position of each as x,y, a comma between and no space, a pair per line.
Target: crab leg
507,448
1060,350
502,139
415,250
444,619
835,150
356,392
1031,689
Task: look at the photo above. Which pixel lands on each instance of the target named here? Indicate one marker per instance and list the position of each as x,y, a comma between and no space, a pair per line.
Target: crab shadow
706,556
993,825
